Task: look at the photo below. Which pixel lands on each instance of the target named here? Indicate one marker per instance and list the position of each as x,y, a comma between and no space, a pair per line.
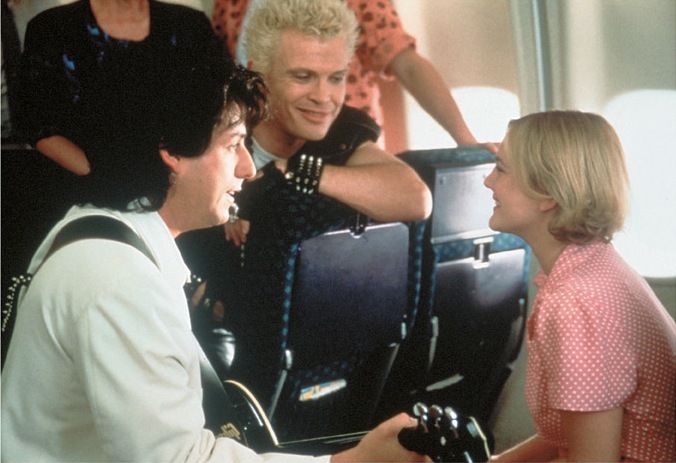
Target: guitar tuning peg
436,415
453,423
420,412
450,414
436,411
419,409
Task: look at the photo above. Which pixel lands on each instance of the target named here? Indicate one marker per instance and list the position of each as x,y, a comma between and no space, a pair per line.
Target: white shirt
103,365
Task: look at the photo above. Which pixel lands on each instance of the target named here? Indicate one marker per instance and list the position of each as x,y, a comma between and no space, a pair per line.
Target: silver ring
233,210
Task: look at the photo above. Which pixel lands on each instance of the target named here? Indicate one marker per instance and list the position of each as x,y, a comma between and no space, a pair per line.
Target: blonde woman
601,375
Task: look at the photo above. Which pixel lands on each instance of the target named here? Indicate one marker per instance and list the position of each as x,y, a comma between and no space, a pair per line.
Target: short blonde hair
576,159
326,19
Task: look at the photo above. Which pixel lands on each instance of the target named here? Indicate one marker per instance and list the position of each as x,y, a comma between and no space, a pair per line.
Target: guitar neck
322,445
441,434
259,435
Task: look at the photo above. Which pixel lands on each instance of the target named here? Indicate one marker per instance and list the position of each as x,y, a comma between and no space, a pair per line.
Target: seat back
473,292
349,290
349,304
479,306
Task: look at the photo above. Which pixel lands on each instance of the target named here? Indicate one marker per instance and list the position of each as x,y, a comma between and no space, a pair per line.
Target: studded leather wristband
304,172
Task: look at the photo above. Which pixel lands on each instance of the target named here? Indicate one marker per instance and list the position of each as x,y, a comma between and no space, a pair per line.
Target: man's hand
382,444
237,231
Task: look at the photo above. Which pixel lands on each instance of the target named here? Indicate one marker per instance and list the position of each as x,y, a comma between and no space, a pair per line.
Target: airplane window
487,111
644,120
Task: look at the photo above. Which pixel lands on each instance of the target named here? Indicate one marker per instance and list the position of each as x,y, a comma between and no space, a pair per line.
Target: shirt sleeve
589,364
382,35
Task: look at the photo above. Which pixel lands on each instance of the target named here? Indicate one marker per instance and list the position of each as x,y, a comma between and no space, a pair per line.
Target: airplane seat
480,307
473,298
416,259
349,301
411,364
317,309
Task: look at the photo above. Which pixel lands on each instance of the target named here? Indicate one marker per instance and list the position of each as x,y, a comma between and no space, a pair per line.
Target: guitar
444,435
441,433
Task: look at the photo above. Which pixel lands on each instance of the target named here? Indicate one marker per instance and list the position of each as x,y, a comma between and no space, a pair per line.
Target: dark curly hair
198,101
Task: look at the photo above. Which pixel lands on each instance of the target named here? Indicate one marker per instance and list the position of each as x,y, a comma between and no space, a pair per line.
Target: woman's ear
547,205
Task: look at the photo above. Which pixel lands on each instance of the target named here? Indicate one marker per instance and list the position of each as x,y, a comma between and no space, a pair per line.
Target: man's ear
169,159
547,205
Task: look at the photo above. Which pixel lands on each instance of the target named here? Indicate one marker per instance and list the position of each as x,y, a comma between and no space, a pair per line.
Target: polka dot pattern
599,339
381,38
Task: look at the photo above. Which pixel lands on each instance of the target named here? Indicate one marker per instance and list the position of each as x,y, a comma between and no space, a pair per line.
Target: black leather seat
317,321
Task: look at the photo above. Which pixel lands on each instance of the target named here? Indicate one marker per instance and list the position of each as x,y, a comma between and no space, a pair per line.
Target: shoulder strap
93,226
98,226
220,415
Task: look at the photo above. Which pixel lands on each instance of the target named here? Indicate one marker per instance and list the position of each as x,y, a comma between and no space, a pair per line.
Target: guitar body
250,424
441,434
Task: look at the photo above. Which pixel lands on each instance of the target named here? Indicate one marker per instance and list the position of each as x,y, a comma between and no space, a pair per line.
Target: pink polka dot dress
598,339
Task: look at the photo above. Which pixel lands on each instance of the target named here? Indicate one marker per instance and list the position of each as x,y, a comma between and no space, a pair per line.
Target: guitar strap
101,227
93,226
218,411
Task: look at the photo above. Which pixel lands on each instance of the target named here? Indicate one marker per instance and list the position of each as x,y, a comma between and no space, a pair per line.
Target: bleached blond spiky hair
325,19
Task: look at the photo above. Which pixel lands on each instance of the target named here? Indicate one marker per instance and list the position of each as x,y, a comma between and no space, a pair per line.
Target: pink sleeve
586,355
382,35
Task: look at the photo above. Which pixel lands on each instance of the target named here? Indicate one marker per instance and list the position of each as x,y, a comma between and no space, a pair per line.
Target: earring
172,179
